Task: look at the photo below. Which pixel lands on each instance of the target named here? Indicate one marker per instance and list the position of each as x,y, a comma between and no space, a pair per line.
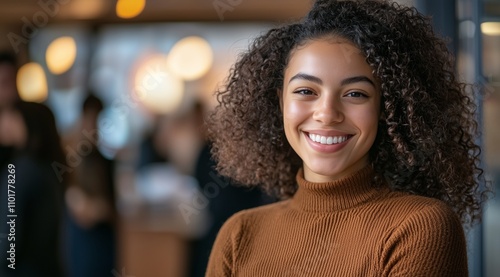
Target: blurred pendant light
129,8
32,83
159,90
490,28
86,9
61,55
190,58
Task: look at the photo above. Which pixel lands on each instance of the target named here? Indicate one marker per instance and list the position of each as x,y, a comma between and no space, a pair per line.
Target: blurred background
114,174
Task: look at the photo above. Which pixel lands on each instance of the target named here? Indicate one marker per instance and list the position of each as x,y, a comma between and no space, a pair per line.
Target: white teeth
327,140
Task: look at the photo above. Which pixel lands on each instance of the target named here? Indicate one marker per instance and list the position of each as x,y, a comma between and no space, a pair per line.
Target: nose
328,111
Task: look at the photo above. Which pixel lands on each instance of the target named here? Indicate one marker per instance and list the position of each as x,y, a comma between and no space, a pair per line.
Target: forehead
335,57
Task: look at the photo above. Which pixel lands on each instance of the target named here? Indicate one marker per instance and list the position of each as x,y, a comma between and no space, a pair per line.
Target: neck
336,195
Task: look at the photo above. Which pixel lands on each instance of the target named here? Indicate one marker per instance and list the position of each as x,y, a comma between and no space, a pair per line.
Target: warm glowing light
190,58
491,28
32,83
156,87
86,9
129,8
61,55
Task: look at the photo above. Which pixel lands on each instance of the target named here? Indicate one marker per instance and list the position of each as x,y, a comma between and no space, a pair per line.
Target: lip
326,148
326,133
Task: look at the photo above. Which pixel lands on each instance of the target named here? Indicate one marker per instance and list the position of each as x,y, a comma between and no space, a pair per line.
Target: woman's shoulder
261,212
412,203
251,218
412,211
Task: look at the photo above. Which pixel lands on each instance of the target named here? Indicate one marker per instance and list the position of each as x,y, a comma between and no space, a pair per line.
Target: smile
328,140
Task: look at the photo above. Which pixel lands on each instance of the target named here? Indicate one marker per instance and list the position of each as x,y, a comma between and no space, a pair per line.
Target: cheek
367,122
293,112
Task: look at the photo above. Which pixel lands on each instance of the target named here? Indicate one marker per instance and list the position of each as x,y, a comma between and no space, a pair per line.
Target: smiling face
331,108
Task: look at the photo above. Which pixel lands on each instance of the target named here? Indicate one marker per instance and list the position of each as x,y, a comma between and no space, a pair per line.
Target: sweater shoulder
248,221
237,229
255,214
426,239
406,205
422,219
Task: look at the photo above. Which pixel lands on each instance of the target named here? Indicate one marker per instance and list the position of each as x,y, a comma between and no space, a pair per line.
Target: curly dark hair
426,140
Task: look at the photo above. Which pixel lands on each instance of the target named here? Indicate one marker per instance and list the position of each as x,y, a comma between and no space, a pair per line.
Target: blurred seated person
30,129
90,225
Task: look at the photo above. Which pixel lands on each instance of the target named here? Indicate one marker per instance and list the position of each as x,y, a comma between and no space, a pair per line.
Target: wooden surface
144,253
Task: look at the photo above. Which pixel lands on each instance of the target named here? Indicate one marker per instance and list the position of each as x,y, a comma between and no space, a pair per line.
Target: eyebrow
307,77
347,81
357,79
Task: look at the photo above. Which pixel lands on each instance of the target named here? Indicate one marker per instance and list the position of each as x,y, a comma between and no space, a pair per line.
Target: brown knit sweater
342,228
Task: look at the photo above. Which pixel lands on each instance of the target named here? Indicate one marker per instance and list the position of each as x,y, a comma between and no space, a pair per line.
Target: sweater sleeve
224,250
429,242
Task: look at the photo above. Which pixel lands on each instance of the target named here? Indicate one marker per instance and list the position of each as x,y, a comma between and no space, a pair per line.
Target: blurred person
8,94
30,128
147,150
8,72
90,223
180,140
166,180
224,201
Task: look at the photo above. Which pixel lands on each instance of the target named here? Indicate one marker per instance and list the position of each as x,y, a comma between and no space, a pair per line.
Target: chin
330,172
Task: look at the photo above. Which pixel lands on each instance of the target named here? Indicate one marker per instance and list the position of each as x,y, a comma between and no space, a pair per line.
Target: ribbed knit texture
342,228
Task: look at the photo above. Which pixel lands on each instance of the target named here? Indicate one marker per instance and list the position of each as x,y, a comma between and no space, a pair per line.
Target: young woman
355,118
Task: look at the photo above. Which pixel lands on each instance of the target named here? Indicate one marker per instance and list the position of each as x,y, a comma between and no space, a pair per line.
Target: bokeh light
190,58
32,83
61,55
156,87
129,8
87,9
491,28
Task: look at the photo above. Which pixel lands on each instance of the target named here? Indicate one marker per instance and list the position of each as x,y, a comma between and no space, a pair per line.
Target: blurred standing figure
228,199
8,93
90,226
8,90
30,128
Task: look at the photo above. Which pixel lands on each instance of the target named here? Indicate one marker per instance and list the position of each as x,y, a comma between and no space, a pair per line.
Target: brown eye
356,94
304,92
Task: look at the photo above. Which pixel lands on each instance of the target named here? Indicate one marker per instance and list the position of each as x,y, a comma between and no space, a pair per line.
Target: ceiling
12,12
16,14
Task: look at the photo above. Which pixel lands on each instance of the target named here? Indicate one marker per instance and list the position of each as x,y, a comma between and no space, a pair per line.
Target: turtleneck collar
337,195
